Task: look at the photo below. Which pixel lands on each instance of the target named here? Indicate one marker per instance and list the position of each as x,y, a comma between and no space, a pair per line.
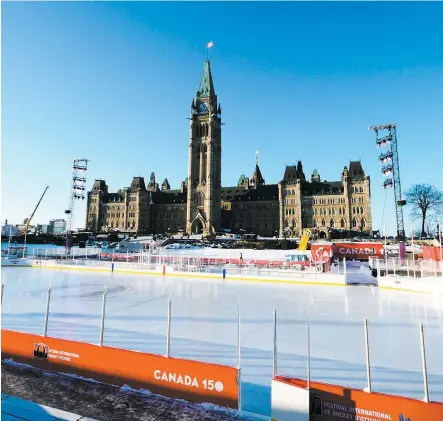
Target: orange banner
321,252
332,403
172,377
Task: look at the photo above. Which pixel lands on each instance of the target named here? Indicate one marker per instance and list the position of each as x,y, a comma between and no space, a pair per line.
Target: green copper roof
241,180
315,173
206,83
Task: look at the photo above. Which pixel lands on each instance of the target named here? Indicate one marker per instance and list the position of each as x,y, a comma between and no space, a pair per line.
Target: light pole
391,165
78,183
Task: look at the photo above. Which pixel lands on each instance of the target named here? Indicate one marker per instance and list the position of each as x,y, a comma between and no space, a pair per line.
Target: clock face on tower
202,107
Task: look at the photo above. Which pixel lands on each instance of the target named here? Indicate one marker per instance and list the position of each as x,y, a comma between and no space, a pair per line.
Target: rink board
176,378
328,402
324,279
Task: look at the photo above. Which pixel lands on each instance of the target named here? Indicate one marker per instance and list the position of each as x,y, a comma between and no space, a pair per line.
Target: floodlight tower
78,186
391,165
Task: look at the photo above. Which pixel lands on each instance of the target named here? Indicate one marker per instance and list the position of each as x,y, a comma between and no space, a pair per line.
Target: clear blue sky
113,82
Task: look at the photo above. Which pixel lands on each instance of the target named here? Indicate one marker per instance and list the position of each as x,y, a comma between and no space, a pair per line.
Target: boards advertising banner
332,403
321,252
176,378
358,250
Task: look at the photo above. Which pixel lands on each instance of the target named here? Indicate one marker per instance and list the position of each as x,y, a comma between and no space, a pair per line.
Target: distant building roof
138,183
356,169
238,194
323,187
113,198
168,198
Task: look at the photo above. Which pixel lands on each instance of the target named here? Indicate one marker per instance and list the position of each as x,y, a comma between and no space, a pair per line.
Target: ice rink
204,325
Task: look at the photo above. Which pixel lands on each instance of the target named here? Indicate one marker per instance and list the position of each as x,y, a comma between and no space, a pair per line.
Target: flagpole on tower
208,46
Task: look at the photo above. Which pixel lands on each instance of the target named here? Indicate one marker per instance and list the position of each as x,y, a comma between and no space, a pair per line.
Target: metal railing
368,387
170,319
408,268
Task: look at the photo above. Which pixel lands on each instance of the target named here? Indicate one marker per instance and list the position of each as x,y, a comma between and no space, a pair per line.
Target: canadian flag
210,44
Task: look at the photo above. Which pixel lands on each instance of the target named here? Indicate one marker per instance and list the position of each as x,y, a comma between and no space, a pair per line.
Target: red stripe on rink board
172,377
336,402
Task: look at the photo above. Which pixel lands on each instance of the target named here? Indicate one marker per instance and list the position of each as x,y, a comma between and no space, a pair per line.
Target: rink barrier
300,278
11,348
295,399
176,378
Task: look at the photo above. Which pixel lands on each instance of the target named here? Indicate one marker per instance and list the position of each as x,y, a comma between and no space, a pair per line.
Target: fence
407,268
238,272
368,388
182,260
65,254
189,379
283,323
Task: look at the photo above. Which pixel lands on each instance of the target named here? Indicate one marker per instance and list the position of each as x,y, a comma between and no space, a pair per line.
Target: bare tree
424,199
430,228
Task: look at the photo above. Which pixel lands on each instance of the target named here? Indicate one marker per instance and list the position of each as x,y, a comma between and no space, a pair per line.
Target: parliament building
202,206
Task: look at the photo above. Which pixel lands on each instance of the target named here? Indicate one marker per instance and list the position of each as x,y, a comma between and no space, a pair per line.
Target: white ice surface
204,325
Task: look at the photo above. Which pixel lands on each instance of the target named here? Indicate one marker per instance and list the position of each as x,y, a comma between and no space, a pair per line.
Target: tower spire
206,83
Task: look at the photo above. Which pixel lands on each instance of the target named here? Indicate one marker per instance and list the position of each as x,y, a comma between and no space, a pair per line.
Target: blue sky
114,82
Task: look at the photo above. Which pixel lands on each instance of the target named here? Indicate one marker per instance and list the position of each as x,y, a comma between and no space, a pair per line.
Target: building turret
165,185
315,177
152,185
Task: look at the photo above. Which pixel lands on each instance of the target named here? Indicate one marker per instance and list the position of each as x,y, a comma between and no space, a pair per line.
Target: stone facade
204,169
203,206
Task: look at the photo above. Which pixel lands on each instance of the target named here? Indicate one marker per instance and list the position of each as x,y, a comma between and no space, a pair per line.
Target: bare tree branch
424,199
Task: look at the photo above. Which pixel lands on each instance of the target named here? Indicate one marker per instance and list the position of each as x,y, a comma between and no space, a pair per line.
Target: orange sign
321,252
172,377
358,250
333,403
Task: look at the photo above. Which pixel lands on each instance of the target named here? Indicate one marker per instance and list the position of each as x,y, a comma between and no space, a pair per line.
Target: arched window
331,223
293,211
315,222
342,223
363,223
358,210
361,209
200,199
329,212
354,223
293,192
323,223
333,211
339,211
361,189
353,210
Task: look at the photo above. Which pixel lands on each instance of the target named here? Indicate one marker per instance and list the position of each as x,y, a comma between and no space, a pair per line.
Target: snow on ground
204,325
104,402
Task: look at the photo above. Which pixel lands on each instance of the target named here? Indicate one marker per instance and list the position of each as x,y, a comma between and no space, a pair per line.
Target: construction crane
25,229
